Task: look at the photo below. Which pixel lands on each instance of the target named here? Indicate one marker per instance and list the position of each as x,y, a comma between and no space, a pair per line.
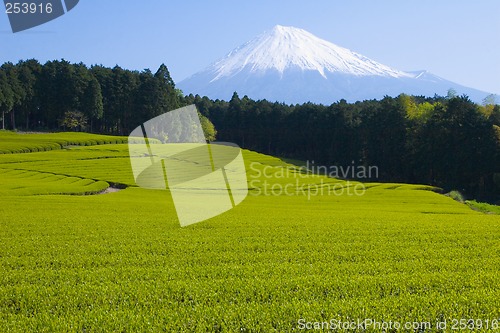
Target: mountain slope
291,65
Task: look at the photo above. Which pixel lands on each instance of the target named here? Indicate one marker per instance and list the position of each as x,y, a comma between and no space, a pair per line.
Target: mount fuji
291,65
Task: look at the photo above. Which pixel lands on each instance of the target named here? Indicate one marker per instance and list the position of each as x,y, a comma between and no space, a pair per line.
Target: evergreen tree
91,103
167,93
6,96
15,93
29,72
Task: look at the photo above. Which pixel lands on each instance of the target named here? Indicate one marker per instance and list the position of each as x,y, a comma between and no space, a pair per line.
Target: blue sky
456,39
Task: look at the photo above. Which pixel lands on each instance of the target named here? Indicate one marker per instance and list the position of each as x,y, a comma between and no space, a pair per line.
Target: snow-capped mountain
286,48
291,65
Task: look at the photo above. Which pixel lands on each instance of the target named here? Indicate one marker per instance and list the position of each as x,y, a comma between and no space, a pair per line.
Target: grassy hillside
120,262
13,142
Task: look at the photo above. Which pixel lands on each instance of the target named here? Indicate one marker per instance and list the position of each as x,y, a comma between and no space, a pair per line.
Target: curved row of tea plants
14,142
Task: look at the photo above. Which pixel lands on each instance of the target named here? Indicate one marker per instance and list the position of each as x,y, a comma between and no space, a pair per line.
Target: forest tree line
59,95
449,141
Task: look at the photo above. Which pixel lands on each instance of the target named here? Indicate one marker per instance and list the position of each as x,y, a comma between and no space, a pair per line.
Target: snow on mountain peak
290,65
285,48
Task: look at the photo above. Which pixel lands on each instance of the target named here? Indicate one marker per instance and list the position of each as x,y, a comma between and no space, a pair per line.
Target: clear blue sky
456,39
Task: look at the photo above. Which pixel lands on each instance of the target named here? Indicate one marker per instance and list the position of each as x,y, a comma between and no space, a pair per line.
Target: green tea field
75,258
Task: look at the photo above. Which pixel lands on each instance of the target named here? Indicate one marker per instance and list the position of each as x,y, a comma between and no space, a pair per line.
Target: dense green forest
59,95
449,141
